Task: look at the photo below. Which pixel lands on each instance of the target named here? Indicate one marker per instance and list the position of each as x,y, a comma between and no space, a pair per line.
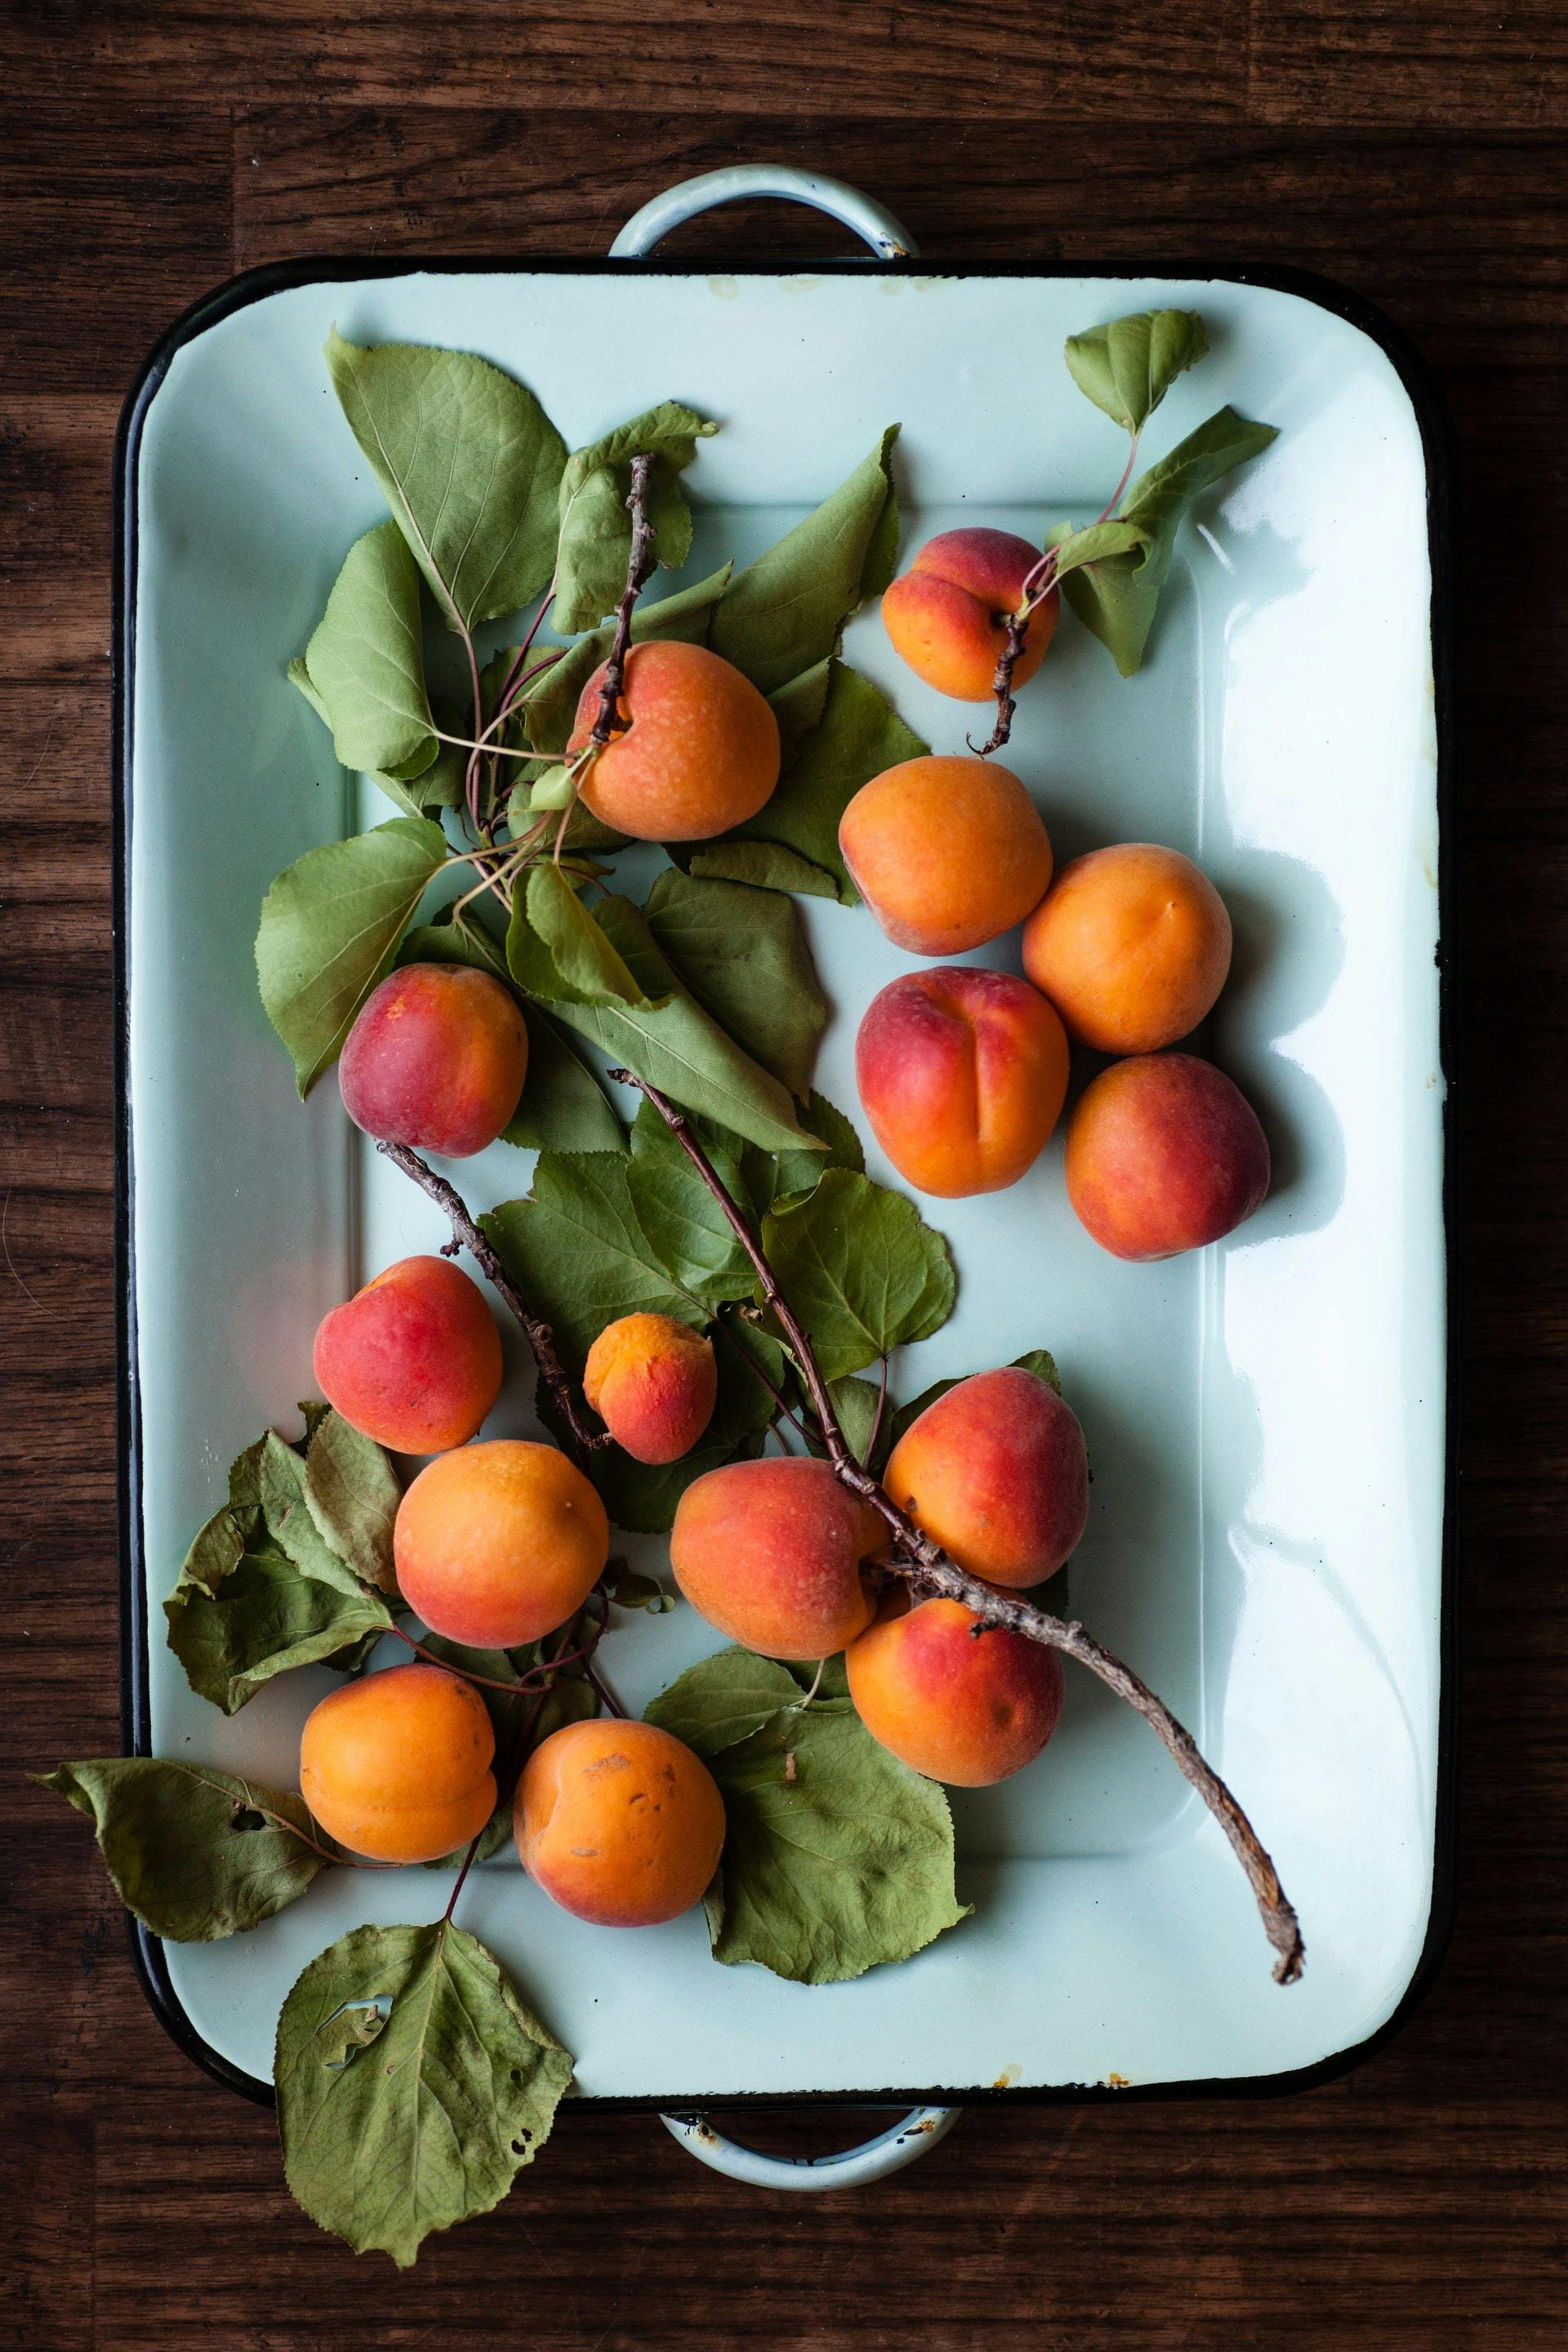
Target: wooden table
149,148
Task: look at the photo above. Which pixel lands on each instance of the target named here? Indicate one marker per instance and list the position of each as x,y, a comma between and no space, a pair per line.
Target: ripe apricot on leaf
948,851
414,1359
653,1382
499,1543
436,1059
771,1552
697,750
958,1706
397,1765
619,1823
962,1074
947,614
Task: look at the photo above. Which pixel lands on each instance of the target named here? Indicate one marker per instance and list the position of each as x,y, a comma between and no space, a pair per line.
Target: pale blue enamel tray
1267,1421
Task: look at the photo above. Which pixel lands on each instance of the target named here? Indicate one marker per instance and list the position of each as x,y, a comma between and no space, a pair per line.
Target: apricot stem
485,1682
1037,587
458,1882
467,1235
924,1565
639,563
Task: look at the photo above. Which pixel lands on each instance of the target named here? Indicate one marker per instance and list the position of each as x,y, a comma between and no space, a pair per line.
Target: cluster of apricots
964,1074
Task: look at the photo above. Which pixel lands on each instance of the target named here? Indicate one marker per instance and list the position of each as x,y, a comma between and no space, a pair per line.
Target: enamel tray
1267,1421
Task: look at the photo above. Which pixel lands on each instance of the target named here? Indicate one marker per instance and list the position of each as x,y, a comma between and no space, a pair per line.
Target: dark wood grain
1411,149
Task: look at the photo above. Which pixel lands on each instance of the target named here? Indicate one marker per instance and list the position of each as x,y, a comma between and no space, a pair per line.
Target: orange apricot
1164,1154
499,1543
997,1471
947,614
771,1552
621,1824
963,1075
948,851
653,1383
697,751
1131,945
958,1706
397,1765
414,1359
436,1058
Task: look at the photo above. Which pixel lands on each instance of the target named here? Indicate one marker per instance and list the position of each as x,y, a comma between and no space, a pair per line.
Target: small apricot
947,614
963,1075
397,1765
997,1471
964,1708
414,1359
1164,1154
621,1824
499,1543
697,748
948,851
771,1551
1131,944
653,1383
436,1059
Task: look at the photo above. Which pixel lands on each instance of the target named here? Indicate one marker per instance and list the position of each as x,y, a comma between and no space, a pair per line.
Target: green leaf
412,2085
1034,1359
1116,599
291,1523
577,1249
365,662
744,955
194,1853
562,1107
352,1494
857,735
628,1589
682,1221
595,526
470,464
788,610
329,930
587,968
856,1402
243,1611
1127,367
670,1041
796,1174
1094,543
861,1269
722,1700
764,865
550,706
837,1857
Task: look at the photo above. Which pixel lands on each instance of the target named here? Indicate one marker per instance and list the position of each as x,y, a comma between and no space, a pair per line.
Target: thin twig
925,1565
541,1339
639,563
457,1886
485,1682
1036,589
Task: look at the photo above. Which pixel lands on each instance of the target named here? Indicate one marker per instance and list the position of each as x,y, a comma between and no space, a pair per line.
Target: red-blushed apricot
653,1383
1164,1154
948,851
769,1552
1131,945
619,1823
414,1359
699,752
997,1471
963,1075
499,1543
961,1707
947,615
436,1058
397,1765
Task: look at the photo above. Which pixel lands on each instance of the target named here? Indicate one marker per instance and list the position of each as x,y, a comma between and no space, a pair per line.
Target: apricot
1164,1154
963,1075
948,851
414,1359
769,1552
699,749
499,1543
947,614
958,1706
997,1471
437,1057
1131,945
653,1383
397,1765
619,1823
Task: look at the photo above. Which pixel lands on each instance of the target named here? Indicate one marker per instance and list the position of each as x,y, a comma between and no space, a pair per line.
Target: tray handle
882,231
850,2167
